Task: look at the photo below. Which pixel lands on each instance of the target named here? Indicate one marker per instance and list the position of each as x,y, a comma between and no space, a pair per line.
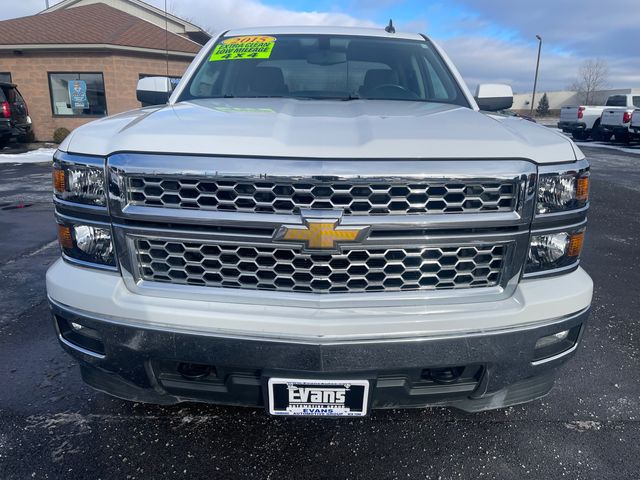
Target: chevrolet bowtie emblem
321,231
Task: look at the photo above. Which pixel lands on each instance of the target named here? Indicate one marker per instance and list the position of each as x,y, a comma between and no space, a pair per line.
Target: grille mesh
284,269
365,197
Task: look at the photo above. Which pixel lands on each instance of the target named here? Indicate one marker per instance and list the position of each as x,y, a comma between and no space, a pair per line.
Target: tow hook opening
194,371
443,376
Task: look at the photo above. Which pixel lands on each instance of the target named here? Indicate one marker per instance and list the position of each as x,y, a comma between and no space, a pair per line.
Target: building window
5,77
77,94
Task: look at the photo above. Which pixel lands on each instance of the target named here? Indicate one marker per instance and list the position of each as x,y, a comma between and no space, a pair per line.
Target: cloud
586,28
225,14
487,60
488,40
494,40
21,8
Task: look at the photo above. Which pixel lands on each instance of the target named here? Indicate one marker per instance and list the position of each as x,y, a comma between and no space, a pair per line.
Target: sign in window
78,94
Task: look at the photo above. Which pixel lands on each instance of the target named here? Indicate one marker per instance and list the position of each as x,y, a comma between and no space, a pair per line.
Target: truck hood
276,127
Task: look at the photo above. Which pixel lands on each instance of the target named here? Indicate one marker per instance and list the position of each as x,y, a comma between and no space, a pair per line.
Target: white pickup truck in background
617,119
584,121
635,125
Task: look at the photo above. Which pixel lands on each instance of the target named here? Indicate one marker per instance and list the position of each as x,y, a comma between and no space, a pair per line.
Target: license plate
322,398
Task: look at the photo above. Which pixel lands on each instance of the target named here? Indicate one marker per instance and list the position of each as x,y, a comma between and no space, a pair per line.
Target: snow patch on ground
583,425
34,156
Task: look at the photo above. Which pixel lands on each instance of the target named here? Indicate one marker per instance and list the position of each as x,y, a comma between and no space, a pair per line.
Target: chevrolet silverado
320,221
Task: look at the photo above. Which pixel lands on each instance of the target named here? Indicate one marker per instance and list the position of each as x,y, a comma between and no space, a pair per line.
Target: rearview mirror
153,91
492,97
326,57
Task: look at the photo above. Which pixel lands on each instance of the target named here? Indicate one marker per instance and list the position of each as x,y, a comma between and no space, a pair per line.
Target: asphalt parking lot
52,426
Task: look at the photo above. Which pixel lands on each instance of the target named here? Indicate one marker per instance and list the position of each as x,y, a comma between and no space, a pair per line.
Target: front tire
623,138
605,137
579,135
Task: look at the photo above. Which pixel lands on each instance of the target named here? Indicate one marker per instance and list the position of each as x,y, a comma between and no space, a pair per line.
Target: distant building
82,59
557,100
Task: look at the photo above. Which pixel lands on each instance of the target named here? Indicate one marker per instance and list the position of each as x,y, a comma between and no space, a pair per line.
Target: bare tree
593,75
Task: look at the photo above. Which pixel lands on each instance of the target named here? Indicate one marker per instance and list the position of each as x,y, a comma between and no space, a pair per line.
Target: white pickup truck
616,121
584,121
634,128
320,221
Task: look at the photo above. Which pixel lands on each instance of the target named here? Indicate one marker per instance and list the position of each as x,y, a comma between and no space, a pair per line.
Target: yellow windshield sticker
236,48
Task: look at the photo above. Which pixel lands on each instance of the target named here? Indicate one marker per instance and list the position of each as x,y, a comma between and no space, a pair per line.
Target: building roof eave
188,26
94,47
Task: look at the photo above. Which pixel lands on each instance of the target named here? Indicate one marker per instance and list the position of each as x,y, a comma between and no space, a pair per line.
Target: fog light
551,339
79,335
555,344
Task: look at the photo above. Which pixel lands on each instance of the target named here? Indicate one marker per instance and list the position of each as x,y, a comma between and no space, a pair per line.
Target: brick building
100,48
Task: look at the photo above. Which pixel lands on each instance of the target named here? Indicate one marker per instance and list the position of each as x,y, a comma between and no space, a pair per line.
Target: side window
617,101
5,77
19,97
10,94
78,94
636,101
439,91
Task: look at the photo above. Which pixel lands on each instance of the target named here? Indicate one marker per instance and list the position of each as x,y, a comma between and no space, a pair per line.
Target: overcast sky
489,40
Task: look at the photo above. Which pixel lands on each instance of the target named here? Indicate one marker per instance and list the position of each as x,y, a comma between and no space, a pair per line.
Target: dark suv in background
14,115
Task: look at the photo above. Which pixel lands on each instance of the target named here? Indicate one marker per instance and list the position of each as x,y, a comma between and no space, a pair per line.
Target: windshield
324,67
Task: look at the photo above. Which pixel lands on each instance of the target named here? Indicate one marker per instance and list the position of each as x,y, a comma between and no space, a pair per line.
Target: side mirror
492,97
153,91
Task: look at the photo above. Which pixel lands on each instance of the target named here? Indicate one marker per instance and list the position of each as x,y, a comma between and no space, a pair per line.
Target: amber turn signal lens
575,244
582,189
64,237
58,180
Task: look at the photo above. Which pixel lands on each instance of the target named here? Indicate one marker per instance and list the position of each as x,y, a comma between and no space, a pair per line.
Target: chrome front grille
364,196
357,270
211,228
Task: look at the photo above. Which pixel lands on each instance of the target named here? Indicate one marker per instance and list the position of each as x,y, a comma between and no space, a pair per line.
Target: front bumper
146,339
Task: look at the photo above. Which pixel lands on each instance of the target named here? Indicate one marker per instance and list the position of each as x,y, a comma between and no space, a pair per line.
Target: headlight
87,243
551,251
79,183
562,192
